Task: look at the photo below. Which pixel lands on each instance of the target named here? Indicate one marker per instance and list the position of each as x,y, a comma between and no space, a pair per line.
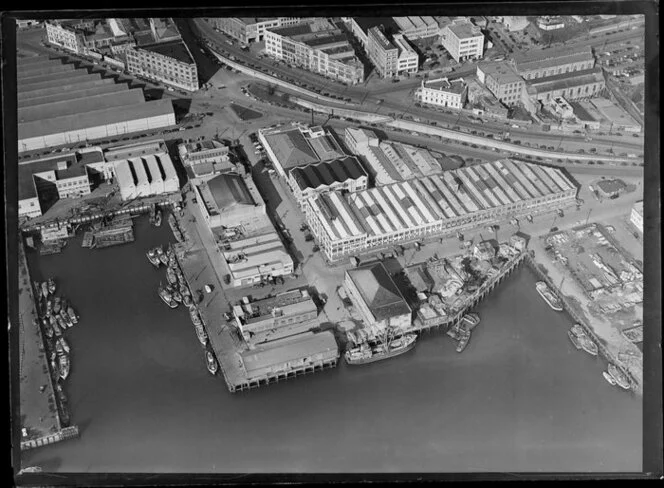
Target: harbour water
519,398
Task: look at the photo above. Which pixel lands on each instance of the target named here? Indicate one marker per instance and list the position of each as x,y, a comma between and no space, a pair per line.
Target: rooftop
551,57
501,72
172,49
326,173
381,38
453,86
379,291
464,30
366,23
611,186
229,190
291,148
567,80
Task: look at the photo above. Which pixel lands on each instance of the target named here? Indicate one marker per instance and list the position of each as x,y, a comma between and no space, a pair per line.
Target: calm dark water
520,398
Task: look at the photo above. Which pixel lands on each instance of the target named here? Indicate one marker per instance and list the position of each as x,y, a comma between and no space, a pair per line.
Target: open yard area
245,113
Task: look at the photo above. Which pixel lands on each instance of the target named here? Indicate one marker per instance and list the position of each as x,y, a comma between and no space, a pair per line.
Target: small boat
157,218
609,378
153,257
58,346
65,365
72,314
51,286
48,330
212,365
63,344
177,296
588,345
171,277
163,258
38,290
61,323
621,378
549,297
574,338
463,342
67,320
202,336
471,320
44,287
49,307
195,318
166,296
186,300
389,348
54,368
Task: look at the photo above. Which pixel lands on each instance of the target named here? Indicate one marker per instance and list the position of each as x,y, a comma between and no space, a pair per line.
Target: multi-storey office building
383,54
318,46
253,29
443,93
65,35
463,40
378,218
408,60
204,159
502,81
169,62
550,62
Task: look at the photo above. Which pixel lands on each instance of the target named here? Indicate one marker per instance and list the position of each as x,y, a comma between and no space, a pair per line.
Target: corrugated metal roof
72,95
57,79
378,291
64,88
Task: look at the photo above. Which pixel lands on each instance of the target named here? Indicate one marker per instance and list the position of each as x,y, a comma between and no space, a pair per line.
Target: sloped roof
326,173
291,148
379,291
229,190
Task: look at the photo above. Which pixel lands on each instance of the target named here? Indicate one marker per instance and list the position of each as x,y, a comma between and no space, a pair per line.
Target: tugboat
44,288
609,378
549,297
621,378
72,314
202,336
388,348
51,286
212,365
153,257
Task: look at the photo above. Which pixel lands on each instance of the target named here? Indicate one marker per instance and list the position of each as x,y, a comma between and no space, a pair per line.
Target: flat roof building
462,40
443,92
167,62
417,27
555,61
502,81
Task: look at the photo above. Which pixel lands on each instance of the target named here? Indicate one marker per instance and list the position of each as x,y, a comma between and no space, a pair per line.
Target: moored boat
38,290
55,326
162,257
212,365
157,218
171,277
44,287
195,318
72,314
57,305
549,297
621,378
165,295
61,323
186,300
68,321
588,345
49,307
364,353
63,361
177,296
58,346
202,336
471,320
609,378
574,338
463,342
63,344
153,257
51,286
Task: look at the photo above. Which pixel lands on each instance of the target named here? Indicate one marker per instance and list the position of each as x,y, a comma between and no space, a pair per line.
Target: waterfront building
278,359
484,250
253,29
299,145
388,161
43,181
229,200
501,79
432,313
417,27
463,40
320,47
204,159
286,314
571,86
169,62
143,169
550,22
345,174
433,206
636,216
442,92
549,62
376,297
59,106
254,259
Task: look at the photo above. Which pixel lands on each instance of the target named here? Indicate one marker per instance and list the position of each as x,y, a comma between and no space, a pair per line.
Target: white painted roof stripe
445,184
518,187
426,196
419,204
496,191
544,178
488,195
394,221
391,196
471,190
505,188
515,170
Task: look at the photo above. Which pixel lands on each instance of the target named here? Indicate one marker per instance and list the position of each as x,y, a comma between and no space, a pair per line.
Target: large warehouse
434,205
58,105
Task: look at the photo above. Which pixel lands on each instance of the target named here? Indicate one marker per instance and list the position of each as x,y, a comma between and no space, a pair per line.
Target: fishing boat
58,346
49,307
170,276
153,257
549,297
57,305
184,290
54,367
621,378
609,378
195,318
61,323
55,326
72,315
63,344
51,286
588,345
212,365
463,342
576,340
166,296
63,362
177,296
470,320
44,288
67,320
162,255
157,218
202,336
186,299
389,347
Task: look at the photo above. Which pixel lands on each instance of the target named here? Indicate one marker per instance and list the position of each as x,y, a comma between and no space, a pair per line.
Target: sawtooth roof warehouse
441,204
